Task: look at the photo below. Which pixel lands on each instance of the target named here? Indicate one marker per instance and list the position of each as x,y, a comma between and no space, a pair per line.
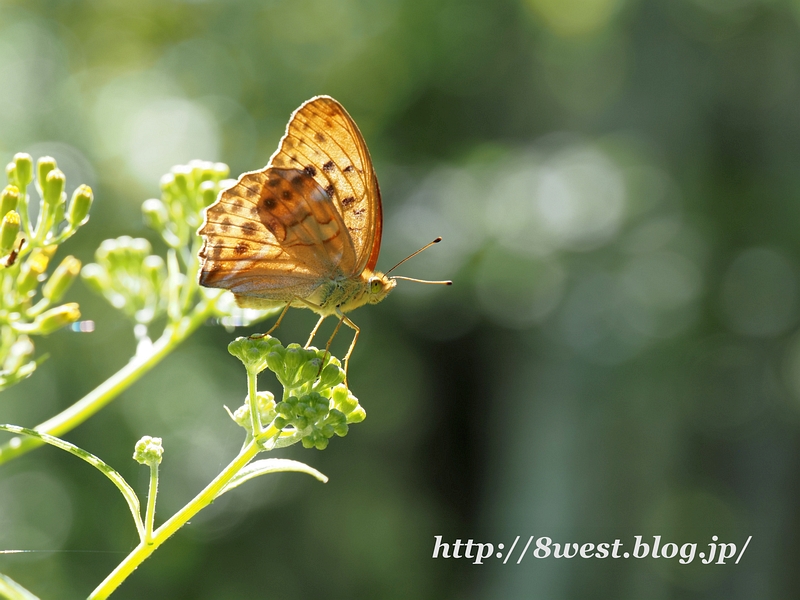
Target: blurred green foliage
617,187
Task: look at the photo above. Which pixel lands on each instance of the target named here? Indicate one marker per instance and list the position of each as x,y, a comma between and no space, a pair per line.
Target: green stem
111,387
203,499
252,396
150,515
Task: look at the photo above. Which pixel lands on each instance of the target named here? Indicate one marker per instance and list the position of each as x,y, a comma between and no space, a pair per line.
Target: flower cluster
28,244
130,277
316,404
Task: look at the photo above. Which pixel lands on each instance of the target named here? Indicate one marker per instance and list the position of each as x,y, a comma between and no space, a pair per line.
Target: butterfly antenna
448,282
425,247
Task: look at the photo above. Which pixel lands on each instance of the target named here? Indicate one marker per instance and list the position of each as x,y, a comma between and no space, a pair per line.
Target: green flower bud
155,270
331,376
61,279
208,193
55,318
280,423
96,277
275,361
8,231
53,189
43,166
148,451
9,198
24,169
11,173
182,174
155,214
285,410
221,170
32,271
19,354
357,415
79,206
253,352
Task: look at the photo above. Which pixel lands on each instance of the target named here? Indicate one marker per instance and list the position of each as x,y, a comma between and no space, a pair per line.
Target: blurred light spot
665,280
517,292
169,132
581,199
574,17
759,293
35,512
83,326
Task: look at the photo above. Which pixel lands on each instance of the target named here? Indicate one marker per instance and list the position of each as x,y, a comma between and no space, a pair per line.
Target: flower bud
11,173
96,277
53,188
208,193
79,206
8,231
253,352
19,354
24,169
43,166
155,214
55,318
61,279
156,272
32,271
148,451
221,170
9,198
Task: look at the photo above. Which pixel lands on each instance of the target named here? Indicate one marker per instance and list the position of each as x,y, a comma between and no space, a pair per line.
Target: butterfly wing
323,141
273,235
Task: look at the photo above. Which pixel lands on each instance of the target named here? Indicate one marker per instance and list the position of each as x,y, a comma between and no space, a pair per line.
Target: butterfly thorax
348,293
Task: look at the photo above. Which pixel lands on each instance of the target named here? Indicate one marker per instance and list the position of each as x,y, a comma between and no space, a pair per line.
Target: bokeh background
618,187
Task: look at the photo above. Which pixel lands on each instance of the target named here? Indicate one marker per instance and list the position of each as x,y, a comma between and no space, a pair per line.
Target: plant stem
113,386
178,520
150,514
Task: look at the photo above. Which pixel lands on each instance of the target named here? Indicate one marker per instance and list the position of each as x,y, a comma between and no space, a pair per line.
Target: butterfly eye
375,285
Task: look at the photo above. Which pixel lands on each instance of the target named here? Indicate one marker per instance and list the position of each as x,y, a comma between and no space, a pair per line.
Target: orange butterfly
305,230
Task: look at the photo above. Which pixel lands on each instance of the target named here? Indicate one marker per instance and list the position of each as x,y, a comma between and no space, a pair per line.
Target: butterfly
305,230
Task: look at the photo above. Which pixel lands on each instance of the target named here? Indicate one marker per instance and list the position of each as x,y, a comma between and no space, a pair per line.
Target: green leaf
270,465
11,590
127,491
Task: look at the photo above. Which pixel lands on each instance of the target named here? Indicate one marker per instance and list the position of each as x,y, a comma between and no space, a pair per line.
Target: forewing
323,141
275,234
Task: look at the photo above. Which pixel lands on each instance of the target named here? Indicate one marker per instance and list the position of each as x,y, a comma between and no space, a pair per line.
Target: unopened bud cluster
185,191
316,403
29,297
148,451
130,277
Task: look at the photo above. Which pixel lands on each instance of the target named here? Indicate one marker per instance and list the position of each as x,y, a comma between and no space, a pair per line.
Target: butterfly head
378,286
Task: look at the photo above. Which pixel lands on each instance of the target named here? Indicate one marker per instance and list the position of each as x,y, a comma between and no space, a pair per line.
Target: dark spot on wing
348,169
274,182
329,190
249,227
310,170
269,202
328,166
286,194
358,212
319,137
348,201
240,248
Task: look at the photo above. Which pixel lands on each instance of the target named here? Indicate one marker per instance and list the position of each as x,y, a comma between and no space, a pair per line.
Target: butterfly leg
314,331
278,322
346,320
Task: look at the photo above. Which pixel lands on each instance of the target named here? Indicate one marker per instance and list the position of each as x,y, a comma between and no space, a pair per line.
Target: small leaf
270,465
13,591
